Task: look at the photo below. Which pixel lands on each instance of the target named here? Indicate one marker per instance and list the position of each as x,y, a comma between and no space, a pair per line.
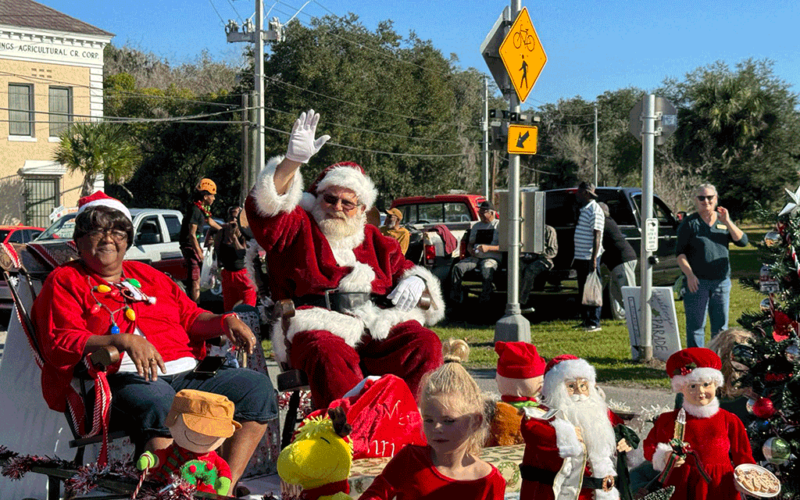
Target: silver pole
245,150
595,144
513,326
646,267
259,84
485,177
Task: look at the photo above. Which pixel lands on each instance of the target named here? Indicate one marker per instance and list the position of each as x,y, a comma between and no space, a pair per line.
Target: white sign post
666,335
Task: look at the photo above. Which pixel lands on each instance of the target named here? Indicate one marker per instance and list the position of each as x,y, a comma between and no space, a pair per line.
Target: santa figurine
571,446
198,422
360,304
520,371
697,447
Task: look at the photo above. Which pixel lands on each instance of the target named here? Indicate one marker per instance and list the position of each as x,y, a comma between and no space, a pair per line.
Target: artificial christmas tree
772,358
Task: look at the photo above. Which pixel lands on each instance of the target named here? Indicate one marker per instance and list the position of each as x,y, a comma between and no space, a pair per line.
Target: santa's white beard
339,227
590,413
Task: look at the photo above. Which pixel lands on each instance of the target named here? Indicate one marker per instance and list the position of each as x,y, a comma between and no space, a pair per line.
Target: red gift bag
384,417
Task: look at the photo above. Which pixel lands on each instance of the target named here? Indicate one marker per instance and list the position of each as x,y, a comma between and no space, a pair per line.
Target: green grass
608,350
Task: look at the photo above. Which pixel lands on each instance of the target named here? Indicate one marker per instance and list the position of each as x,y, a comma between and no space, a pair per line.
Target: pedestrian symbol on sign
524,70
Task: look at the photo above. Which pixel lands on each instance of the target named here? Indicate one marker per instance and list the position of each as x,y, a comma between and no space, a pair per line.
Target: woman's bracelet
222,321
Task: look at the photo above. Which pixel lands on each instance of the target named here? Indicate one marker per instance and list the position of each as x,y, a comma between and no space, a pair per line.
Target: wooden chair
289,379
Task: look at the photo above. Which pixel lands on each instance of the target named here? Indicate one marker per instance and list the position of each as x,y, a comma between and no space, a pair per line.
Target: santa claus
570,445
357,297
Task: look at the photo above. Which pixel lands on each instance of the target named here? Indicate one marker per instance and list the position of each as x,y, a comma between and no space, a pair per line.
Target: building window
60,110
41,197
20,105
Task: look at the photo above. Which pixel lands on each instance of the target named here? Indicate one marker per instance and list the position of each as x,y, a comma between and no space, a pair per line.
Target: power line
389,153
221,21
241,19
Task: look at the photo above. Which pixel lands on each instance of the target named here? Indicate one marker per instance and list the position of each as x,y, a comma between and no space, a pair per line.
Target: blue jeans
140,407
712,296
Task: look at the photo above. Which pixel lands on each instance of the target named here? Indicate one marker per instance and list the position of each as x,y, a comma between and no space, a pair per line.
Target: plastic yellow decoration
130,314
103,288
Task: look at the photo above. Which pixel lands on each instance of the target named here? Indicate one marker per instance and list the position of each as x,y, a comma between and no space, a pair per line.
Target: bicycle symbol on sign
522,37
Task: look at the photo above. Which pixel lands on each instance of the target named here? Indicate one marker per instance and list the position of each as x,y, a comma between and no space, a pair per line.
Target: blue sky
592,46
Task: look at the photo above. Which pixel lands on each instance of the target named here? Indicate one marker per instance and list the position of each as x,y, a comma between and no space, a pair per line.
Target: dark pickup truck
624,203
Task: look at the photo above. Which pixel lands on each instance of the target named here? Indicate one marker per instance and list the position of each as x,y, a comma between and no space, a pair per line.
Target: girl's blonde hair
723,344
452,381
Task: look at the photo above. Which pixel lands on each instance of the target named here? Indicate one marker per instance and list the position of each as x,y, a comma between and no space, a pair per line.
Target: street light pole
259,85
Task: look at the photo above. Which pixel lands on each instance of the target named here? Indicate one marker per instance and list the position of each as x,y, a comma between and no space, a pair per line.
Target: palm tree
98,148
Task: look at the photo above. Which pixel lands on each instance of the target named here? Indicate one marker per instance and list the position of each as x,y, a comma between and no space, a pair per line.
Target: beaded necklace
203,208
129,290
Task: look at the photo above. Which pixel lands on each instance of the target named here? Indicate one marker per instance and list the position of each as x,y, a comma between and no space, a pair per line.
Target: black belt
341,301
530,473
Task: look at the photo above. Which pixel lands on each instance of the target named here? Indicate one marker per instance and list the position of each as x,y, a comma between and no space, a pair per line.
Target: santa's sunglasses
330,199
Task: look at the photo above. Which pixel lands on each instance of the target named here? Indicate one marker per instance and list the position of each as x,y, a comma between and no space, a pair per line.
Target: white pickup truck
155,242
421,214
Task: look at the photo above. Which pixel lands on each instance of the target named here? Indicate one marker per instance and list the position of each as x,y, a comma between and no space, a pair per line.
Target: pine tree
773,357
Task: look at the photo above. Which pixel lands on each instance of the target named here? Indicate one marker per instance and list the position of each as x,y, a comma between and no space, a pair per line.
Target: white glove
302,145
407,293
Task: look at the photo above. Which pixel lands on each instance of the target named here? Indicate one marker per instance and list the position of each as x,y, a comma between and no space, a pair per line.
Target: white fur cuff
435,313
566,439
660,456
268,201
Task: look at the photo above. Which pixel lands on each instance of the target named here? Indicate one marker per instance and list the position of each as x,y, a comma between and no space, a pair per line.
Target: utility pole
256,34
246,161
645,262
595,143
485,176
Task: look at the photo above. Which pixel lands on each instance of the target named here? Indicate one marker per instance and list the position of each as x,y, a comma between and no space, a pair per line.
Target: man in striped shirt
588,247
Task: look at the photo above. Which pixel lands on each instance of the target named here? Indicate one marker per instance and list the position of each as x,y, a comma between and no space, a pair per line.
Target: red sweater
63,321
412,475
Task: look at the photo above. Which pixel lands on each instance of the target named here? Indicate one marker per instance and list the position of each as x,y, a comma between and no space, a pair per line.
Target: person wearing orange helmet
196,215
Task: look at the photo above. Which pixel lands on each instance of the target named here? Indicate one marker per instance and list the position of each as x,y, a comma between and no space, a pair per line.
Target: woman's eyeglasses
347,205
709,197
116,234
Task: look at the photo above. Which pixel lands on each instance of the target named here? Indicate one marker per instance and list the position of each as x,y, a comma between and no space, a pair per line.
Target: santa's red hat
692,365
99,199
566,367
518,360
348,175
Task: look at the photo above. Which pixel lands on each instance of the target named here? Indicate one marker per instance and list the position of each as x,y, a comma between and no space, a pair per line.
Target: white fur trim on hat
268,202
351,178
110,203
698,375
569,369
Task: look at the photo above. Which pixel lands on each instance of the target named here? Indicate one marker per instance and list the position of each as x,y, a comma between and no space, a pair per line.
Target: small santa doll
696,448
571,449
520,371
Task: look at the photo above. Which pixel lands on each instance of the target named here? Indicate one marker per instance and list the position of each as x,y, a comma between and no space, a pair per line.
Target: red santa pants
333,367
236,286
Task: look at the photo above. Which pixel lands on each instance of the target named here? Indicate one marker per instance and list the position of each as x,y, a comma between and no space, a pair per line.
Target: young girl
455,425
717,439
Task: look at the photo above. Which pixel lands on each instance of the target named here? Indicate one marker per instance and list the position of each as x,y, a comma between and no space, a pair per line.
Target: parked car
421,214
155,242
624,203
19,234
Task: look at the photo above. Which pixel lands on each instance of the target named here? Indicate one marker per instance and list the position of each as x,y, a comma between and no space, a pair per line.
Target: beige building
51,73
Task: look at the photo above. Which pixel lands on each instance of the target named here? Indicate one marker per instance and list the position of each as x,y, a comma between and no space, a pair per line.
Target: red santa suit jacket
542,451
719,439
303,262
63,319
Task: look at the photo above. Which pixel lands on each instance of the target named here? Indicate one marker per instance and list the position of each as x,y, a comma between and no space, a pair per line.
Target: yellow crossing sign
523,55
523,139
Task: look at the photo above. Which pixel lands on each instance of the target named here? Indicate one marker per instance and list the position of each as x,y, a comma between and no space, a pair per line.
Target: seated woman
101,300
